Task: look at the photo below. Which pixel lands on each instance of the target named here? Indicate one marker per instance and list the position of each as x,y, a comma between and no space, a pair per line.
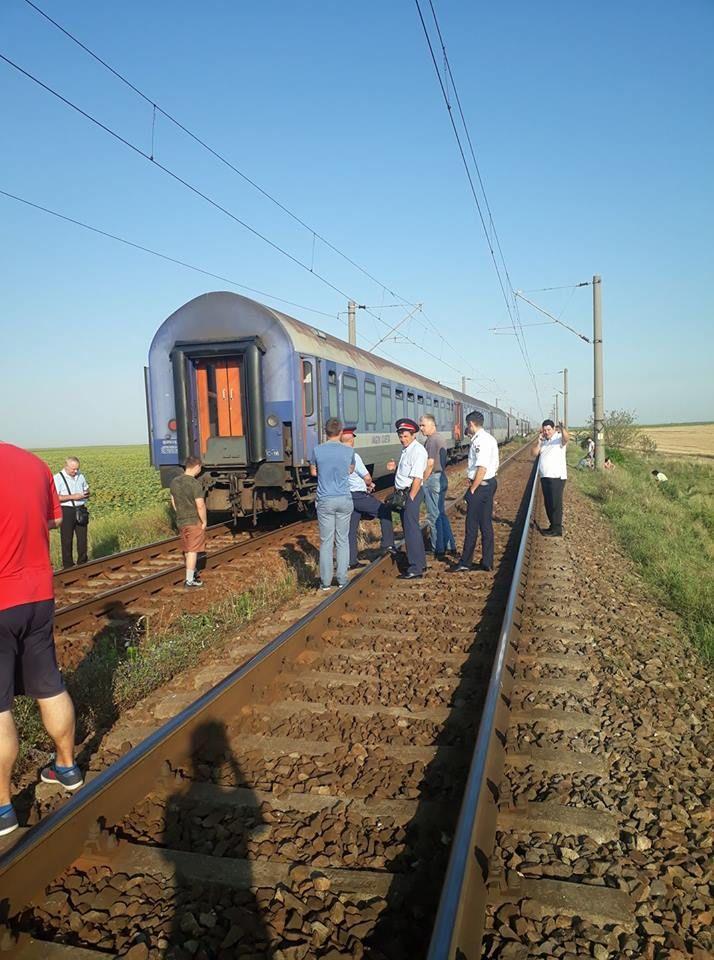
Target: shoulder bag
397,500
81,514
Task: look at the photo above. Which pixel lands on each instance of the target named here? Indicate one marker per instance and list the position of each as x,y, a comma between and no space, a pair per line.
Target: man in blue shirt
364,503
332,463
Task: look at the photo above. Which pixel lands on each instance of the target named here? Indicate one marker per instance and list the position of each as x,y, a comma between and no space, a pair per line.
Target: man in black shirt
187,499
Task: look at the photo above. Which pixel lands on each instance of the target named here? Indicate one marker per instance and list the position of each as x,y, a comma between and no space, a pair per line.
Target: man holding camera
553,472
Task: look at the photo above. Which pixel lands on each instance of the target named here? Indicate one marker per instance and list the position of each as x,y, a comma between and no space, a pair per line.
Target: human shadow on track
211,917
404,927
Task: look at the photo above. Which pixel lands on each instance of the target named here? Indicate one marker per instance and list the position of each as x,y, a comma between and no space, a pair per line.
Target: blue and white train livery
248,389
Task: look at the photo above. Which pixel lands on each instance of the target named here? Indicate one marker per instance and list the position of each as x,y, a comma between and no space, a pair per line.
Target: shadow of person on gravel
208,821
404,928
303,558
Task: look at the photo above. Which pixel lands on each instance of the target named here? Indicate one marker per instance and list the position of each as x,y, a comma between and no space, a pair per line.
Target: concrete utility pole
565,397
556,409
351,322
463,384
598,397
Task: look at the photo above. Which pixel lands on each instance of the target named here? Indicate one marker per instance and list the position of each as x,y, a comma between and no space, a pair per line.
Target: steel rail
458,929
79,827
114,561
103,603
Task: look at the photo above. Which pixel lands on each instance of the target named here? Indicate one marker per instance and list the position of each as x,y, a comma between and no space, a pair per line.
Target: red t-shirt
28,501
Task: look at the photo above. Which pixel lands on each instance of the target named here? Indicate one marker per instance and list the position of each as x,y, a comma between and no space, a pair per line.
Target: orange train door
218,394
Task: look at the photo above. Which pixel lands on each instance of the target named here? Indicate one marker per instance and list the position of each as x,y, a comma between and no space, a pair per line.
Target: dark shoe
71,779
357,566
461,568
8,822
389,552
440,556
552,533
482,566
193,584
410,576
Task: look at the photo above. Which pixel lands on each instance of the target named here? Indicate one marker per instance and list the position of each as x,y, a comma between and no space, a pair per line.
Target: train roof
312,341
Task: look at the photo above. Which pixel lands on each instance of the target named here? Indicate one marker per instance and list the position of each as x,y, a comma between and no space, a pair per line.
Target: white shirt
356,478
552,459
483,452
77,484
412,463
591,448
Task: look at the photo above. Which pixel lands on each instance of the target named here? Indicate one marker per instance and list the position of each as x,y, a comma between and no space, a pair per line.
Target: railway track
127,585
306,806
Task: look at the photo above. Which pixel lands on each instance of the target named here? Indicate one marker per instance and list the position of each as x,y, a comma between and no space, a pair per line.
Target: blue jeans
333,517
442,537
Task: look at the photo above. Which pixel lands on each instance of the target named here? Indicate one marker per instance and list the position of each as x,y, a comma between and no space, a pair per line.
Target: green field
667,529
128,508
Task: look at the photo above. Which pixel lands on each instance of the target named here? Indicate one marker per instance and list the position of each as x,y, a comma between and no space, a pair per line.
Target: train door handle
223,394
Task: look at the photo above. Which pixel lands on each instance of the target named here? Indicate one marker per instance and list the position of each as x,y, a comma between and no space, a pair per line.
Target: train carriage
248,389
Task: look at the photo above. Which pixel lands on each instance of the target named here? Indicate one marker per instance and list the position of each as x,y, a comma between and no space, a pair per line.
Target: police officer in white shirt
364,503
553,472
482,470
410,477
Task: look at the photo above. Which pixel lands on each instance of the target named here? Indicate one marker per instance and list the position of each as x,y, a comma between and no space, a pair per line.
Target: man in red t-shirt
29,507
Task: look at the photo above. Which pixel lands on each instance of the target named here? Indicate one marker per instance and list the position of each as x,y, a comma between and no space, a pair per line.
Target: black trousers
553,499
413,537
366,505
67,531
479,516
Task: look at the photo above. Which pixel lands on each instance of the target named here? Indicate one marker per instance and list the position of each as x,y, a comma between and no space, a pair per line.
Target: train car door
220,410
311,417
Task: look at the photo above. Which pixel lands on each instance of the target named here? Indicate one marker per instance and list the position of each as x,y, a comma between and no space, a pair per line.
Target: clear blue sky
593,128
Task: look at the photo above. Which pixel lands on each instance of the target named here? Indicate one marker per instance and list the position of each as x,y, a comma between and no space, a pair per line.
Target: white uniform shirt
412,463
552,459
483,452
76,484
356,478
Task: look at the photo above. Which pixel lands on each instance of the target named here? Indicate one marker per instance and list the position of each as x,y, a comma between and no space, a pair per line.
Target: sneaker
461,568
193,583
71,779
326,589
8,822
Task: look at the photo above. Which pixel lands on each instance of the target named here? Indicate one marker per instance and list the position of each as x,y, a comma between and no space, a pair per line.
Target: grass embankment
118,673
128,507
667,529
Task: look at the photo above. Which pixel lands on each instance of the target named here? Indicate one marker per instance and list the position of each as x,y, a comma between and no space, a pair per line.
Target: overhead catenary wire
511,307
218,155
162,256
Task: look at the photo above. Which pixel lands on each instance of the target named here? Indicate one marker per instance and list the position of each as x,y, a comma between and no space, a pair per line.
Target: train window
428,401
308,402
399,397
370,403
386,407
332,393
350,399
420,398
411,407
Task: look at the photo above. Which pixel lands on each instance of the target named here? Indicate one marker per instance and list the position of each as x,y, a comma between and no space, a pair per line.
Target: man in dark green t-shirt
187,499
